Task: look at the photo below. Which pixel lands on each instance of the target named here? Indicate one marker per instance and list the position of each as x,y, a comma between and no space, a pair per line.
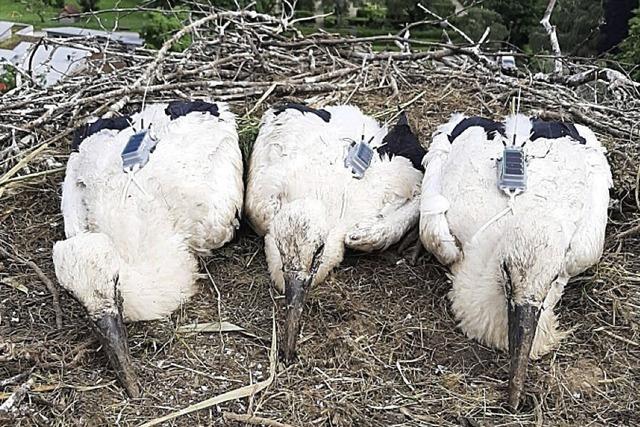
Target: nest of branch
379,344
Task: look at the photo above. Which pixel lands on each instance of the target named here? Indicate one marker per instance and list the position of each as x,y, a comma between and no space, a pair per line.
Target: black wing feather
554,129
491,127
401,141
85,131
177,109
323,114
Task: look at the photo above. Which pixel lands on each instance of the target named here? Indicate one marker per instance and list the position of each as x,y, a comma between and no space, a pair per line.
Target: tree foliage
39,6
88,5
159,28
408,10
477,19
374,14
617,14
630,47
519,17
577,25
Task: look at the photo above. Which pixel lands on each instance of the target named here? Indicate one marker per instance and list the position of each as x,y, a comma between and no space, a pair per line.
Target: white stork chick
128,253
509,271
309,206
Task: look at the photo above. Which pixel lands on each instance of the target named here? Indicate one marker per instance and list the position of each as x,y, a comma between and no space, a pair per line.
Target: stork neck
480,304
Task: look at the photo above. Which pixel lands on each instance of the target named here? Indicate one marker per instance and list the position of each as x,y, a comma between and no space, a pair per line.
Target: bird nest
379,344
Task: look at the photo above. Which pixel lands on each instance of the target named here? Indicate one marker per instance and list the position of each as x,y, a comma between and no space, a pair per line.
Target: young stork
510,267
309,206
130,236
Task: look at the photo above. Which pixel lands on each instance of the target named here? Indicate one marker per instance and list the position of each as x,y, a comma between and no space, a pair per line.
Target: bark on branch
553,37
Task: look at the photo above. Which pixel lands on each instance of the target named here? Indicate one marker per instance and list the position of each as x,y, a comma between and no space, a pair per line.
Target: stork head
87,266
530,268
300,233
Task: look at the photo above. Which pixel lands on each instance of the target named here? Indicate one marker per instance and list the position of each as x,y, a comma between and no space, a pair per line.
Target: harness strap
510,208
131,179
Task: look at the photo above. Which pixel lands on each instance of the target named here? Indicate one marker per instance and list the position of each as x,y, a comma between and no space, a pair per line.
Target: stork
512,252
309,202
132,236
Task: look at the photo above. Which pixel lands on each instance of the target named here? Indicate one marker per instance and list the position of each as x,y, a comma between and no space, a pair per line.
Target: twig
53,290
261,100
618,337
148,76
218,298
253,419
127,10
630,232
239,393
16,378
14,400
447,23
33,175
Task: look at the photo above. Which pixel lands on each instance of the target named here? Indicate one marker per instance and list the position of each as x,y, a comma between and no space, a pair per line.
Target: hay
380,346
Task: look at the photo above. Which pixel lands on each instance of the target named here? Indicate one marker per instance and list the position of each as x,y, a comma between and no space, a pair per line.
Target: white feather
299,159
518,125
557,228
194,178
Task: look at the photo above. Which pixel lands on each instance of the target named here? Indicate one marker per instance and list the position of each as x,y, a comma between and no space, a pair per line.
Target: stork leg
410,246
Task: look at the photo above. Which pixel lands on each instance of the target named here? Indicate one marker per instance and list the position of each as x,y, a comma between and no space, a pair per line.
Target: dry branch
255,62
11,404
239,393
258,59
53,290
15,379
253,419
553,37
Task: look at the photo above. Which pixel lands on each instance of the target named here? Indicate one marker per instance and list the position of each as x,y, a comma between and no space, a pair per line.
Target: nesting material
380,344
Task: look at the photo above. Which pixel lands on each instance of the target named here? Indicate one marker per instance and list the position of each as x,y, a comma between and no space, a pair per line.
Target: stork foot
410,246
368,235
415,252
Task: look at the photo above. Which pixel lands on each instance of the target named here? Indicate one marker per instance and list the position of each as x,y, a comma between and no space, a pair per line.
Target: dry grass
380,346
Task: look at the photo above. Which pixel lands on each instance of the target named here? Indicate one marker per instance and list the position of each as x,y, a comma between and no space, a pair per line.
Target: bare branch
553,37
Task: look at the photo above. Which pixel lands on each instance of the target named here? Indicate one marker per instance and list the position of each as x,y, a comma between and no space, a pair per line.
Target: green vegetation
476,21
513,21
88,5
7,78
577,24
630,47
519,17
40,14
159,28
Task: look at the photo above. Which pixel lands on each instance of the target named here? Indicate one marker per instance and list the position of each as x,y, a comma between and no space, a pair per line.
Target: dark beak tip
287,359
113,336
287,354
133,390
514,402
294,293
523,322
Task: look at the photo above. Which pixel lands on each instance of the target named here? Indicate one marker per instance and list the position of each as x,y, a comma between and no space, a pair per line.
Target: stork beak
295,290
523,323
113,337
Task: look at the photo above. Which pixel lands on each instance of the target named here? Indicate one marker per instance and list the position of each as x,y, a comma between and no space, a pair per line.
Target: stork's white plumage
509,273
128,252
307,204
